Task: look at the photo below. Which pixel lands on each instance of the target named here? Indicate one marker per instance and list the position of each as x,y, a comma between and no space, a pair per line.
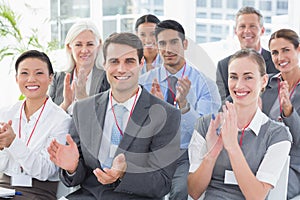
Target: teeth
32,87
122,77
248,37
241,93
148,45
283,64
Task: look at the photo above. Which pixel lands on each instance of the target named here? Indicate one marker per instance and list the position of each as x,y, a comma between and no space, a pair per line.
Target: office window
282,5
158,2
248,3
201,28
64,14
216,29
265,5
201,15
215,39
230,17
201,39
158,12
216,3
232,4
117,7
216,16
267,19
201,3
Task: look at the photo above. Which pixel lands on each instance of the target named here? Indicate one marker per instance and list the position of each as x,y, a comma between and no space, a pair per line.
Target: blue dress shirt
203,96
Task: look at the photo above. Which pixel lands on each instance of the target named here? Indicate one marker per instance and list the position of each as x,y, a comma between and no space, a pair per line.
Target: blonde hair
73,32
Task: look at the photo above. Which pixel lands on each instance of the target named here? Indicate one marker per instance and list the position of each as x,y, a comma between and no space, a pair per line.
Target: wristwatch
185,109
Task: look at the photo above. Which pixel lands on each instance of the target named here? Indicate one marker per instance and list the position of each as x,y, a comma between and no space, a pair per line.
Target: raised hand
68,92
285,101
108,176
155,89
214,142
229,129
64,156
182,88
7,134
80,84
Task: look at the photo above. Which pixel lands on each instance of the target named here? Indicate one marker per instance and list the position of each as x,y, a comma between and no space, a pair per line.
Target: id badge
230,178
21,180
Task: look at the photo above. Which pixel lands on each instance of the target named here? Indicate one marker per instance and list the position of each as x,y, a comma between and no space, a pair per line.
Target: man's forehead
121,51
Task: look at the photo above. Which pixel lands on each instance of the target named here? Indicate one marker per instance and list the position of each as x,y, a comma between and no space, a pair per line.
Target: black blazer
222,72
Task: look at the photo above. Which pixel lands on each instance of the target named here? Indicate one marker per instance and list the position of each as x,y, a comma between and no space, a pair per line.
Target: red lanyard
34,124
169,85
291,93
113,111
243,133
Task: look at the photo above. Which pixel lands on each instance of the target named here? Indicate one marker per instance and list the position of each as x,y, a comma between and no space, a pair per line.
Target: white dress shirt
109,121
34,158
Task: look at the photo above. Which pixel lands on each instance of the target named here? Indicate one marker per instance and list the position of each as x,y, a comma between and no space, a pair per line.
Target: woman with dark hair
144,27
281,100
28,127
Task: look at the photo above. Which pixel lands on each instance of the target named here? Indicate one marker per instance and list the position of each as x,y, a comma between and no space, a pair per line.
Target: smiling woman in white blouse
28,127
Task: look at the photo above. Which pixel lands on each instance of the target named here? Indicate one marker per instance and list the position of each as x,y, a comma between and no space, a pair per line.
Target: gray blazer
150,143
222,72
293,122
99,84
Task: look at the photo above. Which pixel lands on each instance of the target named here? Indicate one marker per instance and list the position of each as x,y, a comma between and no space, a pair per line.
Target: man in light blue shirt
194,94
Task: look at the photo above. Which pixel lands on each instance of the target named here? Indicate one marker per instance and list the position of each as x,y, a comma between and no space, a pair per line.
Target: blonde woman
85,75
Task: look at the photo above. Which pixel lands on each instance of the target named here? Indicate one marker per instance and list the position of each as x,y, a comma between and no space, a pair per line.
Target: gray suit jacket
222,72
293,122
99,84
150,143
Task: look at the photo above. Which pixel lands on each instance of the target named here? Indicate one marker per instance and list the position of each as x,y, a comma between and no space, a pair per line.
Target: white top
270,169
109,121
34,158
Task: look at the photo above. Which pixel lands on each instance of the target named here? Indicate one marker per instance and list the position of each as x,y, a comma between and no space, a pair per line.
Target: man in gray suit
248,28
143,163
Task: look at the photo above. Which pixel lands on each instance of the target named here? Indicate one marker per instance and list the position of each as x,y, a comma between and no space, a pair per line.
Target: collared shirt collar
163,73
258,120
128,104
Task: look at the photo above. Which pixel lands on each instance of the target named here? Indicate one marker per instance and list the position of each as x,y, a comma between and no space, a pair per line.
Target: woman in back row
85,75
281,100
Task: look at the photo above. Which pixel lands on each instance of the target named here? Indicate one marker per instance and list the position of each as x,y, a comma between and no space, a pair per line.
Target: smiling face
284,55
171,49
33,78
245,82
84,49
248,31
146,34
122,68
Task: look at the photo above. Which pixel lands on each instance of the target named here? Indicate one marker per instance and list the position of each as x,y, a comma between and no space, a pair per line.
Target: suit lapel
98,124
138,118
270,96
96,81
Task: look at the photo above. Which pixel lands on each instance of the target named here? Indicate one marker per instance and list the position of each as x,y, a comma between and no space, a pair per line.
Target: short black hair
170,24
35,54
146,19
